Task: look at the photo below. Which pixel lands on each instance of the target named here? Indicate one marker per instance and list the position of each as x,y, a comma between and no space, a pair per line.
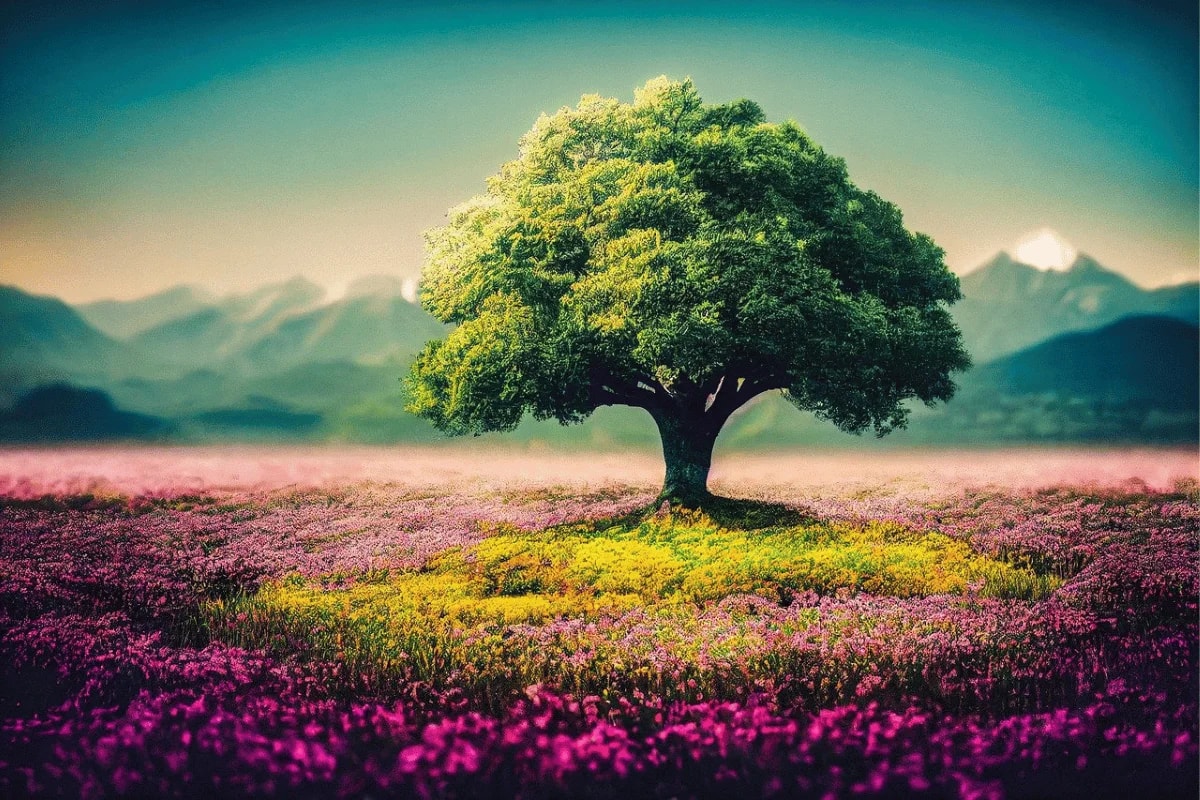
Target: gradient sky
230,144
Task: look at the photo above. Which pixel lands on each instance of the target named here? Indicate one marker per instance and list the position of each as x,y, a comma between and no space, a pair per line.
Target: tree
683,258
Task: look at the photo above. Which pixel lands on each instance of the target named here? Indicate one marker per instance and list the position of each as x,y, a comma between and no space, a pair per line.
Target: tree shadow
738,513
734,513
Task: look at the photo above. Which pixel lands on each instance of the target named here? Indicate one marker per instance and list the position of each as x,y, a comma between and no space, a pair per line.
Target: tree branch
657,387
608,389
710,396
725,402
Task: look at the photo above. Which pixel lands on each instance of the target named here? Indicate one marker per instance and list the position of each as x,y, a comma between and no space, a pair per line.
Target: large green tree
682,258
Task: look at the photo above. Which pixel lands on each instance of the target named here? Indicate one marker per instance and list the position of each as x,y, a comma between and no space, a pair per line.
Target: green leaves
480,377
643,252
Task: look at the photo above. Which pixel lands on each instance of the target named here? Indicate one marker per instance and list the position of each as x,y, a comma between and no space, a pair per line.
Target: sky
229,145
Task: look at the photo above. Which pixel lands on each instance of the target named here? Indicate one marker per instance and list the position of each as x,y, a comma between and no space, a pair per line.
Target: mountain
219,333
42,339
270,360
122,319
1008,305
273,301
283,327
1135,380
361,328
1064,355
1148,359
61,412
275,362
338,399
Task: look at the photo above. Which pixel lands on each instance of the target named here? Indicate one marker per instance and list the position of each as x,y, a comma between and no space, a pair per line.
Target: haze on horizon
146,146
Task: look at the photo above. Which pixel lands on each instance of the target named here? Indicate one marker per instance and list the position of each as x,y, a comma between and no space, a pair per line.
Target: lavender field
463,623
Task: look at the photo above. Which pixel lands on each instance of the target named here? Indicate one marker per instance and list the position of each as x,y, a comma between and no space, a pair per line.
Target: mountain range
1078,354
122,319
43,340
1008,306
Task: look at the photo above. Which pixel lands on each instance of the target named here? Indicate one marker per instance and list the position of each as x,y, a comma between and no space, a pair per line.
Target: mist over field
29,473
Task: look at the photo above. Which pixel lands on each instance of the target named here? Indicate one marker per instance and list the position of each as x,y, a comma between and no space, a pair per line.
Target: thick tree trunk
687,449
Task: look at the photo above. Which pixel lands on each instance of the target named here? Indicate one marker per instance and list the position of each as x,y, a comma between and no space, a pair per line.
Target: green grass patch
458,620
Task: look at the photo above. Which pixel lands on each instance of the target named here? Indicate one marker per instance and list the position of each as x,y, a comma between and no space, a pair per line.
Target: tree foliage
683,258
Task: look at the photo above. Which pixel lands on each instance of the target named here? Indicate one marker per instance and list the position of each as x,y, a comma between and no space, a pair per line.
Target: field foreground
456,623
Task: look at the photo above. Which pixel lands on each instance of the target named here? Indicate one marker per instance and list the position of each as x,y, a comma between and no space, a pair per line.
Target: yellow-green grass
452,623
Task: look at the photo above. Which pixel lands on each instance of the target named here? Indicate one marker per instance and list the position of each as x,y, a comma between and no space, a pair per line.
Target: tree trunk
687,449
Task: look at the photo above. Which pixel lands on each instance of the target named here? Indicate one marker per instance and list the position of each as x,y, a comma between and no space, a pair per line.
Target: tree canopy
684,258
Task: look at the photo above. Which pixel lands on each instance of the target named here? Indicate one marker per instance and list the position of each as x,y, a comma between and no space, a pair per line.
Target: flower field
179,623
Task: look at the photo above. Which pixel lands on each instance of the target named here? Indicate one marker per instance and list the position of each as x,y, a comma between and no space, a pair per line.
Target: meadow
357,622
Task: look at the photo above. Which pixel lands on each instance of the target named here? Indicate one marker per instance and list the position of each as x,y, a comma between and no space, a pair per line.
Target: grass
452,622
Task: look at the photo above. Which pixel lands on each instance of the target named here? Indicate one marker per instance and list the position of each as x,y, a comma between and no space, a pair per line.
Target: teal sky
143,145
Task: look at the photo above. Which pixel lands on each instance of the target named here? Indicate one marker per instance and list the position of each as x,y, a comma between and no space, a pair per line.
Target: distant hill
1008,306
276,361
244,365
1137,379
249,423
61,412
360,328
281,362
42,340
221,332
330,399
122,319
1144,359
286,325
